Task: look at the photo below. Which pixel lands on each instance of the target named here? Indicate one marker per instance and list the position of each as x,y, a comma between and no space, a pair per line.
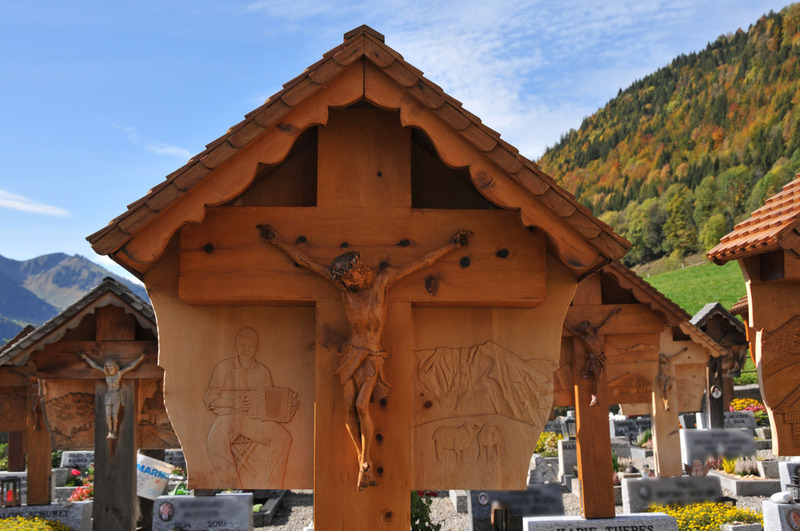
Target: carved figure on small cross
364,294
113,396
595,356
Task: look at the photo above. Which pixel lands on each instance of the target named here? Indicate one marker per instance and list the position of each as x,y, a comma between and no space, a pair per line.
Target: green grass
693,287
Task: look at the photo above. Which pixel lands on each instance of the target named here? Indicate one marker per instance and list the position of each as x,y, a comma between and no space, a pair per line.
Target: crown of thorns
342,264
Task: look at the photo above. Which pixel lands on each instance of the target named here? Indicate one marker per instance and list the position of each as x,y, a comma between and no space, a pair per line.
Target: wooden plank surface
114,505
636,318
593,443
337,502
224,260
114,324
364,160
40,462
60,360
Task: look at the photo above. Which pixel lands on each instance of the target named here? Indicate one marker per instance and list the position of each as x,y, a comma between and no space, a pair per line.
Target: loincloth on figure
361,364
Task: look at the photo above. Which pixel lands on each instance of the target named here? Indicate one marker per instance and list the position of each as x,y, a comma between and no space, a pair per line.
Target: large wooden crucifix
359,154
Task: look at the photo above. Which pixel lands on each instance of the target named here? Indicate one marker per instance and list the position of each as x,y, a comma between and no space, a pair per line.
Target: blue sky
100,100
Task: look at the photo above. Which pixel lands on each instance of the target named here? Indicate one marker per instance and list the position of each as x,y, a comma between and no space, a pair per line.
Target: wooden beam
666,431
114,505
16,451
337,502
60,360
114,324
225,261
593,442
632,317
40,462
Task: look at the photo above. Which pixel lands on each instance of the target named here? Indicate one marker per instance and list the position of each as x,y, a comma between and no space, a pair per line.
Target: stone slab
62,493
623,522
460,499
781,516
567,457
740,419
639,494
701,444
555,426
747,487
764,432
225,512
688,421
77,459
269,508
768,469
77,516
622,428
787,469
536,500
175,458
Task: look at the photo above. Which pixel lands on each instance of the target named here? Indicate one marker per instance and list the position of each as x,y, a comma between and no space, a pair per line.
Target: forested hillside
676,159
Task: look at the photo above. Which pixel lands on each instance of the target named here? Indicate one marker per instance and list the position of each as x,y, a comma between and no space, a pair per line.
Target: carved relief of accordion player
247,441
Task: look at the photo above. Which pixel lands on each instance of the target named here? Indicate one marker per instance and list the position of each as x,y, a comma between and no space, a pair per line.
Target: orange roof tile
764,229
360,43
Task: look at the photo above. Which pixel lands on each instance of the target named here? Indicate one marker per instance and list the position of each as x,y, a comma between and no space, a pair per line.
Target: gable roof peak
363,29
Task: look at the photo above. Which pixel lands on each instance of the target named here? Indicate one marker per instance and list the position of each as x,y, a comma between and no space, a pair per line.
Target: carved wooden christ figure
364,294
665,377
113,397
595,357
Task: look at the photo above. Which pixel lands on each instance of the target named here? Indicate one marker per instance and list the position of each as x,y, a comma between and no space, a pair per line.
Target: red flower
75,472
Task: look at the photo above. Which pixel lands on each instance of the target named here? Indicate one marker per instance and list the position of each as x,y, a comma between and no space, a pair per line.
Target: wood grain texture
364,160
593,443
189,355
60,360
40,461
225,261
337,502
114,505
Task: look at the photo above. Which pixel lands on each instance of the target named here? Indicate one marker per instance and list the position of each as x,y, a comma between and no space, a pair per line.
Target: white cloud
153,146
24,204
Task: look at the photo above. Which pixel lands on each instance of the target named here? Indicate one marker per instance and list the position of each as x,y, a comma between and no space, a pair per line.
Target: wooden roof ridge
360,43
52,330
765,227
673,314
647,294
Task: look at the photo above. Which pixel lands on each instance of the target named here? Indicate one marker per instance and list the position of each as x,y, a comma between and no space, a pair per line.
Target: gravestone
555,426
781,516
77,459
622,428
77,516
639,494
23,483
536,500
567,457
740,419
688,421
542,472
232,512
643,423
623,522
699,445
787,469
175,458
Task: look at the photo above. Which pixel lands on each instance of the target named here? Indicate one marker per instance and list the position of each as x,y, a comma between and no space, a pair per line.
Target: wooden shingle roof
672,314
771,227
361,46
109,291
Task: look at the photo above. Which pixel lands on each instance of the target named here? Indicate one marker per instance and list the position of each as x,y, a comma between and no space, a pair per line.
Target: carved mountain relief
484,379
71,419
631,383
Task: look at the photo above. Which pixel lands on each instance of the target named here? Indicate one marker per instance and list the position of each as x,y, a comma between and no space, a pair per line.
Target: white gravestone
699,445
77,459
740,419
77,516
567,457
623,522
781,516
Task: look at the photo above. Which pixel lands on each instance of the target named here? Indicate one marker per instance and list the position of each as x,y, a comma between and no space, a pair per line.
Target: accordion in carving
272,403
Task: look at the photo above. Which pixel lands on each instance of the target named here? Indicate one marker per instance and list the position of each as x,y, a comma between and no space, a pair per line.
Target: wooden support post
115,463
716,415
593,441
337,502
666,433
40,462
16,451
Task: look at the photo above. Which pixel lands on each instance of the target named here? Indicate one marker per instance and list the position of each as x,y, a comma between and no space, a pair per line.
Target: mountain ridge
33,291
680,156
